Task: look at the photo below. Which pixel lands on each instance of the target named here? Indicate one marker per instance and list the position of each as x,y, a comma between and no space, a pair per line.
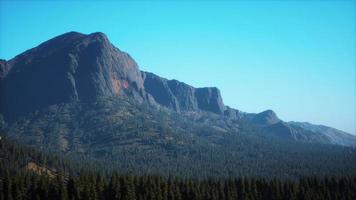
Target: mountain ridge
332,133
76,67
67,68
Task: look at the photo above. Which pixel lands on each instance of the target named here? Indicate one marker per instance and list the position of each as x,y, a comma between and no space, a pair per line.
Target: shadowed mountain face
76,67
77,93
182,97
79,67
4,68
267,117
209,99
70,67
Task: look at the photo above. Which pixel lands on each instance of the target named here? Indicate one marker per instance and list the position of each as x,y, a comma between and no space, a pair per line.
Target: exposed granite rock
4,68
185,94
209,99
76,67
233,113
267,117
182,97
81,67
160,91
70,67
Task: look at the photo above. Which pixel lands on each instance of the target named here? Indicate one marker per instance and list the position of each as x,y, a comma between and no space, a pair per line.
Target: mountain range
78,95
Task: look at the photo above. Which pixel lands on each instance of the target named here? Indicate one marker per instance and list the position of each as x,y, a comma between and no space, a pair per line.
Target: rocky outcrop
185,95
4,68
182,97
160,91
70,67
76,67
209,99
84,67
267,117
232,113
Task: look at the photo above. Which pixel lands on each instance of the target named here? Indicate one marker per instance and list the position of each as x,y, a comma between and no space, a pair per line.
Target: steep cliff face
76,67
182,97
3,68
185,94
209,99
70,67
70,79
84,67
160,91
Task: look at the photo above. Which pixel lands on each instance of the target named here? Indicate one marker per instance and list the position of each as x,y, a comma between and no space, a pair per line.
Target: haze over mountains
77,94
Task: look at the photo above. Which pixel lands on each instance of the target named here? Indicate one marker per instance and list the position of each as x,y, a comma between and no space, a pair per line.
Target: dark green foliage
17,182
30,186
119,134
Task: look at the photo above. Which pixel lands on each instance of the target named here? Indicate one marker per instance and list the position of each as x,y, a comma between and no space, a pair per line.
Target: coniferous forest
79,119
93,186
30,174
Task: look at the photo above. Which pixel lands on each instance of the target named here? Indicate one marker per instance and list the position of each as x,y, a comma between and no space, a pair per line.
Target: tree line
52,177
125,187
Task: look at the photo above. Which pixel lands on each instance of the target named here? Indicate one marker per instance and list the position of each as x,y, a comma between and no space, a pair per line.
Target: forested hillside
78,96
130,137
17,181
79,120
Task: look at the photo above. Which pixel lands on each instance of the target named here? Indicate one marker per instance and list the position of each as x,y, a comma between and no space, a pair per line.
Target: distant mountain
335,136
78,95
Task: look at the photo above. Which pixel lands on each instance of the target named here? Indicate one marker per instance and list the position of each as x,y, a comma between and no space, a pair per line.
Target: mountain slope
76,67
27,174
335,136
78,95
70,67
136,139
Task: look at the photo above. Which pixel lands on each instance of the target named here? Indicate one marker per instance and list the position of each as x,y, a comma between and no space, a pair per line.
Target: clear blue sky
297,58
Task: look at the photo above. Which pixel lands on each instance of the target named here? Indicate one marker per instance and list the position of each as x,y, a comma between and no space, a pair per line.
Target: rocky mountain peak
84,67
70,67
267,117
76,67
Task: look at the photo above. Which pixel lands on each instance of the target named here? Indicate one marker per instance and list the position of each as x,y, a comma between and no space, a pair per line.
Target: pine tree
128,192
72,190
99,189
7,188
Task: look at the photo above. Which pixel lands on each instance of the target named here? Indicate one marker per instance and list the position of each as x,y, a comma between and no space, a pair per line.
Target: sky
294,57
